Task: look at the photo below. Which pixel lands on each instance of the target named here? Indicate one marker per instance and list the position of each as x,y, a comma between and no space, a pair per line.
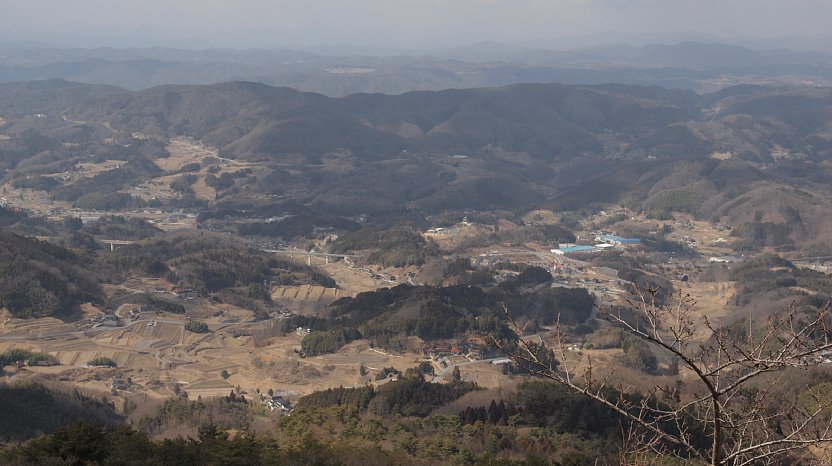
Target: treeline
434,313
756,235
776,278
92,444
546,404
328,341
36,182
538,233
301,225
413,396
217,269
196,326
179,413
102,361
118,227
164,305
29,358
108,201
560,410
390,248
662,205
542,423
39,279
32,409
409,396
209,263
535,233
354,398
569,306
17,220
447,312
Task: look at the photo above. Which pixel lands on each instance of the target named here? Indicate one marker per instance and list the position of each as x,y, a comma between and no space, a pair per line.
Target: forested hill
549,121
255,120
39,279
721,155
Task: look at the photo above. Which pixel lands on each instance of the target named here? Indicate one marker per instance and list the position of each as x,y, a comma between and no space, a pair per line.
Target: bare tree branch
741,427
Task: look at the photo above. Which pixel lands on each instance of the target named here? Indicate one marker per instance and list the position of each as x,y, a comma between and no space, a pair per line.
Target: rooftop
577,249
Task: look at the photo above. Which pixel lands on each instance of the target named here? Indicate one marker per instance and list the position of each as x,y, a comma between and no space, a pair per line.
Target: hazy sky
396,23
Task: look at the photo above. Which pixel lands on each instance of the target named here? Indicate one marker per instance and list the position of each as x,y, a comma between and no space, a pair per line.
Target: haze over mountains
339,70
214,214
404,221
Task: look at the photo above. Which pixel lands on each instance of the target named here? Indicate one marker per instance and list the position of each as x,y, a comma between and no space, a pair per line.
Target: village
175,340
154,354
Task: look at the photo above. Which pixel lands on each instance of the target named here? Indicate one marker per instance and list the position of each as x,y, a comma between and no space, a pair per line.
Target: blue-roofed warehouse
573,249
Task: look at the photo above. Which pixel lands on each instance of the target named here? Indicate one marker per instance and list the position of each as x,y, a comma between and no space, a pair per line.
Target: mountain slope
252,120
720,155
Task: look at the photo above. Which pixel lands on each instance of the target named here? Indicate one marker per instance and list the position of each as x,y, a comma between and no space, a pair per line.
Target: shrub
196,326
102,361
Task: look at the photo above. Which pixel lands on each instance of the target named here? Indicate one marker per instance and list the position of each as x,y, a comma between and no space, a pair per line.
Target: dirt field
306,299
351,280
712,301
183,151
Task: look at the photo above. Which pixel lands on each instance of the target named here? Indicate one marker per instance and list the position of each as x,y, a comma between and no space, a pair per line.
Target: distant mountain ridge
339,71
252,120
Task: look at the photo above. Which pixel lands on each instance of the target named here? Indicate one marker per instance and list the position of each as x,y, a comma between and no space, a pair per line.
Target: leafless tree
729,416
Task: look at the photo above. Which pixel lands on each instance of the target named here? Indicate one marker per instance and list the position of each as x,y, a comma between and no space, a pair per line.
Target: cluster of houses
188,294
385,276
441,351
277,402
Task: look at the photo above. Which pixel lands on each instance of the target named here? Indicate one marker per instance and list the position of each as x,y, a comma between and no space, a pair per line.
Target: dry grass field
161,357
184,151
306,299
157,354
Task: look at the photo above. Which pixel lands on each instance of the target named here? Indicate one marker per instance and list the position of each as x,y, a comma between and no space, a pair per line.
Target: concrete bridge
116,242
309,255
112,242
